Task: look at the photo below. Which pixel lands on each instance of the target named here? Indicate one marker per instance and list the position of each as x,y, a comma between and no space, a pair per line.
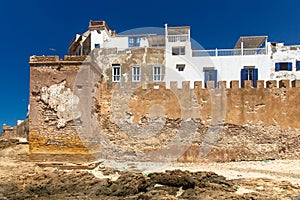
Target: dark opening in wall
180,67
283,66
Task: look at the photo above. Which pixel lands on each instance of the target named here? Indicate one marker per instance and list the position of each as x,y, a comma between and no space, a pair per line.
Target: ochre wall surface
252,123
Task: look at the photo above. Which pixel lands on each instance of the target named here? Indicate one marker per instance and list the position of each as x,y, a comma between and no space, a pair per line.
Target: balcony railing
178,38
229,52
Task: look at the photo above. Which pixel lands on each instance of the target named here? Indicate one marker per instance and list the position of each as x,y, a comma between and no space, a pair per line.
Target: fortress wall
256,123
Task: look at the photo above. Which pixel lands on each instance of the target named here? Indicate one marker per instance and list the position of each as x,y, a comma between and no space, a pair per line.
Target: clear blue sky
32,27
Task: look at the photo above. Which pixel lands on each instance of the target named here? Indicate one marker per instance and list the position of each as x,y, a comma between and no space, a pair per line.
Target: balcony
178,38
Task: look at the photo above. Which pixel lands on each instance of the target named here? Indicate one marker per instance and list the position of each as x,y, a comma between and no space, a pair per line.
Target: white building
252,58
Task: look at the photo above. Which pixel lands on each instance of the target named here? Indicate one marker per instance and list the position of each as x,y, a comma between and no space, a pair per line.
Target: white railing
229,52
257,51
178,38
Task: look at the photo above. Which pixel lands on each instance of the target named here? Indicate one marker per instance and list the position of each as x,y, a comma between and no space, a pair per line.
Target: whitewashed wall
96,38
117,42
285,54
229,67
191,72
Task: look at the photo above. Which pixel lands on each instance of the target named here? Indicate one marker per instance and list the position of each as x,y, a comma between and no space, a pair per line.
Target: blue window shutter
298,65
290,66
277,67
129,42
137,42
255,76
243,77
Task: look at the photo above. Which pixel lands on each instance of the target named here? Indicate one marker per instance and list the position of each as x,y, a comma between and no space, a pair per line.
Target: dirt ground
22,179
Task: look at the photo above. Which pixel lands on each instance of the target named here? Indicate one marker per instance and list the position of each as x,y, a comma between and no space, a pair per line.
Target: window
97,45
249,73
157,73
136,74
283,66
298,65
180,67
116,72
178,51
210,75
134,41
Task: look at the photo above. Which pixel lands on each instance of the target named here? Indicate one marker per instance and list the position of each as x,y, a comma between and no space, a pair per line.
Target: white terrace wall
229,67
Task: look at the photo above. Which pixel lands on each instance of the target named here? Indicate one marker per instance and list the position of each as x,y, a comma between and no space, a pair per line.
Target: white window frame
136,77
116,77
157,73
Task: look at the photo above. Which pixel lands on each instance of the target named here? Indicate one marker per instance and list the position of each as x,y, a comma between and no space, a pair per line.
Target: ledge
56,60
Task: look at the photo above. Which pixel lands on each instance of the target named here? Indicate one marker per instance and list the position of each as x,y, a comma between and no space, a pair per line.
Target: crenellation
271,84
174,85
47,61
247,84
234,84
284,83
210,84
296,83
259,84
43,59
222,84
75,58
198,84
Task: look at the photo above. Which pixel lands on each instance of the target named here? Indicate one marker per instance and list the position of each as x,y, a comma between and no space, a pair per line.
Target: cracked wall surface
52,120
62,101
256,123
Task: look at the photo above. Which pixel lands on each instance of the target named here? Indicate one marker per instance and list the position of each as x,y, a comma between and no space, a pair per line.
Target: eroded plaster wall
255,123
52,126
145,58
232,123
281,53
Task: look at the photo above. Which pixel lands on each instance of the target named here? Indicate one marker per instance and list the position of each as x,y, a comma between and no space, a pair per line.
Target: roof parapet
100,25
56,59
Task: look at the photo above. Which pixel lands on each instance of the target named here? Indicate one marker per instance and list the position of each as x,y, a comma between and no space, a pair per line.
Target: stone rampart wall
228,123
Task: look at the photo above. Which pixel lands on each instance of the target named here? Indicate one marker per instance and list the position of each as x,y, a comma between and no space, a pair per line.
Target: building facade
252,58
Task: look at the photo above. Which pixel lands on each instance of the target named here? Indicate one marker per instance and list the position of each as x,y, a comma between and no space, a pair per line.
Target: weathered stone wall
220,124
51,85
55,87
266,106
145,58
18,132
234,123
